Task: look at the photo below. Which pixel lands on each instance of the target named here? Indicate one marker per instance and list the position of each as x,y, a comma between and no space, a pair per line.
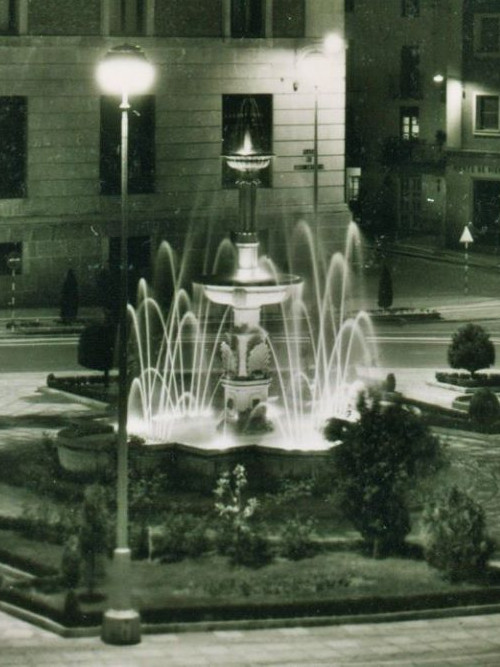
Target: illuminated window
409,123
247,18
410,8
487,33
141,149
410,82
241,112
487,113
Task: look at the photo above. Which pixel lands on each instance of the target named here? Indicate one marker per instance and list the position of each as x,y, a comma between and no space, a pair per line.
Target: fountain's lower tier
189,466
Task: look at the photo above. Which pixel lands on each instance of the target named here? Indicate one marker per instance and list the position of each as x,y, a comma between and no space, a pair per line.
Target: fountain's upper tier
250,286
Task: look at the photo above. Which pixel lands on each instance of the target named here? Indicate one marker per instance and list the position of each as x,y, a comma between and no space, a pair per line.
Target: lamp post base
121,627
121,624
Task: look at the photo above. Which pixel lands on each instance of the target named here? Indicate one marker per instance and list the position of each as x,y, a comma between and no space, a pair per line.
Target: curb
253,624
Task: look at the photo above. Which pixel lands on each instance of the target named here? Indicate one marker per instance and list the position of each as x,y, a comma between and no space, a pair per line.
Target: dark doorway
486,212
139,261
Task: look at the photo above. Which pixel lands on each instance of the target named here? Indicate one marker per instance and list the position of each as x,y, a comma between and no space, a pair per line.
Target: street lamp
124,71
314,69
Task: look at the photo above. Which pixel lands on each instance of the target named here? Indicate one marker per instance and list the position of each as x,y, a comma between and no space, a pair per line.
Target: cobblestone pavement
472,641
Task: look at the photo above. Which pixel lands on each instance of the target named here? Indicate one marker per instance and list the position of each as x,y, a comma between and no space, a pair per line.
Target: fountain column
245,352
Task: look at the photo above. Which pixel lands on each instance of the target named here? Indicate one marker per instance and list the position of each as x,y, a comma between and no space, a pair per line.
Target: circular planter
83,452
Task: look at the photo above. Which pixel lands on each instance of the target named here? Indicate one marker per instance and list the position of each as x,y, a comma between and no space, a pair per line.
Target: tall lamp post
124,71
315,70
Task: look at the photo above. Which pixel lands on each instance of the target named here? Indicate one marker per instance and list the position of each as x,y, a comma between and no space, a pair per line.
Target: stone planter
86,453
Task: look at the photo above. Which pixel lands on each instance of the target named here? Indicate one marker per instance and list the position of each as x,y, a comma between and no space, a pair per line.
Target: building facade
398,53
59,136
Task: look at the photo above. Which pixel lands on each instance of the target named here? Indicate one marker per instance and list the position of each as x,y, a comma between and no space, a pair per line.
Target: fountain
212,387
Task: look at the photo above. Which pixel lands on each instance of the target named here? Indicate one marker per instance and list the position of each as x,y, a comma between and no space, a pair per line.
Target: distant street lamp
314,69
124,71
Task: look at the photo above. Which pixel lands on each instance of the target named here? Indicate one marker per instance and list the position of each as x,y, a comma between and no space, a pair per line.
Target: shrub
71,562
382,455
455,536
484,408
96,348
385,295
181,536
237,536
93,537
471,348
69,298
72,612
390,383
296,539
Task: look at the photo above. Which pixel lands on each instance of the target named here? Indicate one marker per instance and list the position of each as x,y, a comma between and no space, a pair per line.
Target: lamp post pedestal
121,625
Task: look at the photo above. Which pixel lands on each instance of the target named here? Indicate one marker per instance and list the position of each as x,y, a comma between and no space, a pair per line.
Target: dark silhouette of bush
390,383
471,349
455,536
382,455
96,348
69,298
484,408
385,293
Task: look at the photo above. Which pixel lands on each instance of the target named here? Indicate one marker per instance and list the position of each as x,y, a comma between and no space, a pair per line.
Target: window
141,149
409,123
10,251
241,113
410,83
8,17
247,18
487,33
127,17
487,113
13,121
410,8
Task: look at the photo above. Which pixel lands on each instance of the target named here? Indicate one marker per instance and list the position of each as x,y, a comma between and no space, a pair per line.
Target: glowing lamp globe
124,71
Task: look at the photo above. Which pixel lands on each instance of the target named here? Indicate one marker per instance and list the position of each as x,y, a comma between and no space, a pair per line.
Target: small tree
69,298
471,348
455,536
381,456
385,294
238,537
93,538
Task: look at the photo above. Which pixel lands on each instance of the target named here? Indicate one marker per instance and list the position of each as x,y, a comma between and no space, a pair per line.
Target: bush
94,534
455,536
296,539
96,348
381,457
71,562
181,536
385,295
390,383
69,298
484,408
471,349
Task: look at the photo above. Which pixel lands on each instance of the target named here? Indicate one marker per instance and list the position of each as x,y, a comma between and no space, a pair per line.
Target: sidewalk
470,641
